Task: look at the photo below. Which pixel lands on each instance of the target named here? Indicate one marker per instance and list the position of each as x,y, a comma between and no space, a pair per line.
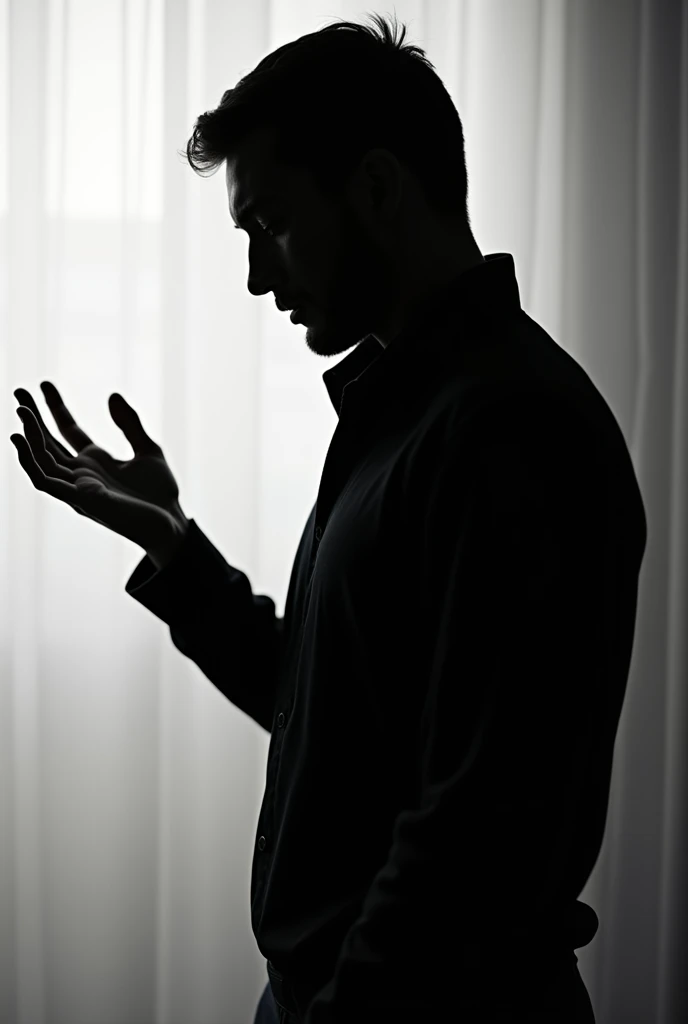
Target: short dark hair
332,95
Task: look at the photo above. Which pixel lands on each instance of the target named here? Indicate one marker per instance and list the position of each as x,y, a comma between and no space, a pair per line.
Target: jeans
267,1011
564,1001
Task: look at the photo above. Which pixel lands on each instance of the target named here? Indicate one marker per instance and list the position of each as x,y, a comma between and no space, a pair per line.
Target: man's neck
466,255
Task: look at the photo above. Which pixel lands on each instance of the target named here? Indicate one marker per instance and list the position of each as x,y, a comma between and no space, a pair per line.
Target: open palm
137,498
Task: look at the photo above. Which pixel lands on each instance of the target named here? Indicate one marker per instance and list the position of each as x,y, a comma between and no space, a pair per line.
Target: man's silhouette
444,688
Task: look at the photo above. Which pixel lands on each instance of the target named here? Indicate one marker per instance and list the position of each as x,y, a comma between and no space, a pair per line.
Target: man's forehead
249,180
248,193
252,160
244,201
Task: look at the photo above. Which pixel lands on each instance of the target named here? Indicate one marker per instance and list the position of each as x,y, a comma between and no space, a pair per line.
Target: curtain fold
129,787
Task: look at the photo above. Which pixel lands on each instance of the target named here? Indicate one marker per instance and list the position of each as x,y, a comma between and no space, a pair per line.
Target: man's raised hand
137,498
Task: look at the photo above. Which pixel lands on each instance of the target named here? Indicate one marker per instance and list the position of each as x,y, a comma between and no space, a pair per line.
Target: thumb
129,422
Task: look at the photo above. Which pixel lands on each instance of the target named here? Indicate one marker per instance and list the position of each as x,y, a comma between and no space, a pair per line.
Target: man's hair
332,95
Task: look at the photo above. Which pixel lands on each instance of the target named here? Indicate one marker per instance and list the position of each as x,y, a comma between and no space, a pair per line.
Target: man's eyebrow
250,206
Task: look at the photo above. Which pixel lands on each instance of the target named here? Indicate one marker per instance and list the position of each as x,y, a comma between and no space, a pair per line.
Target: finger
16,438
91,495
25,399
63,417
129,422
47,462
59,489
92,464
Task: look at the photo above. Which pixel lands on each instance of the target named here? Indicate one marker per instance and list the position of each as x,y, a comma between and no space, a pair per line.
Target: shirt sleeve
477,865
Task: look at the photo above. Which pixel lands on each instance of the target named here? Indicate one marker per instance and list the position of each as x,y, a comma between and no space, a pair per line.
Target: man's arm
215,619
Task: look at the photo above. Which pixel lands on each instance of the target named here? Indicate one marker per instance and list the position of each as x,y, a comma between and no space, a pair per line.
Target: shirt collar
471,303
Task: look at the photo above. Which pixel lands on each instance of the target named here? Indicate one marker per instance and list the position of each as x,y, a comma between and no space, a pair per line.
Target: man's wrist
163,553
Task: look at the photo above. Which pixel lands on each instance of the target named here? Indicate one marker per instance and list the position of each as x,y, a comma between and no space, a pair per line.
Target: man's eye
271,229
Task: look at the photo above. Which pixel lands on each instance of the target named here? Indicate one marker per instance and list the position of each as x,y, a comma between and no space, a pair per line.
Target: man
444,688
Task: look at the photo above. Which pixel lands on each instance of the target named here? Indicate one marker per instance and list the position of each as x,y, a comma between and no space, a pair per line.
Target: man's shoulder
523,383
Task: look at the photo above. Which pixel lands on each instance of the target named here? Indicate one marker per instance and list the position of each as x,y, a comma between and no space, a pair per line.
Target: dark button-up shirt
444,688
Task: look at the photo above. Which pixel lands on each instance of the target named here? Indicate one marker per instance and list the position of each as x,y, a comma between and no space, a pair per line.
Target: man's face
309,251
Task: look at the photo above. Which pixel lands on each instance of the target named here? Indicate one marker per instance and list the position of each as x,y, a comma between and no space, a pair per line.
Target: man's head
352,151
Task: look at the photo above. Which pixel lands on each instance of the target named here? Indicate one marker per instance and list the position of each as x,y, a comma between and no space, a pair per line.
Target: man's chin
324,343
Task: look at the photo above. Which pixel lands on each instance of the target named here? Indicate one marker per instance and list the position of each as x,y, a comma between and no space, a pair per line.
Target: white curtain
129,787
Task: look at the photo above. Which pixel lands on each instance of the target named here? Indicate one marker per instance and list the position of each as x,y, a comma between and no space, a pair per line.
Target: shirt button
261,843
318,533
280,720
